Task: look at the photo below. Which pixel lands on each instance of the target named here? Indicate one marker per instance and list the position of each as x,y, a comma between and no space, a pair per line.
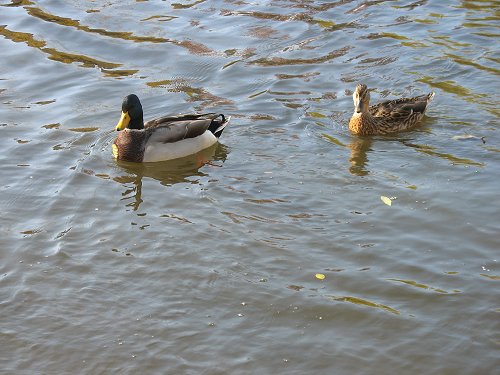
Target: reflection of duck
360,146
165,138
182,170
386,117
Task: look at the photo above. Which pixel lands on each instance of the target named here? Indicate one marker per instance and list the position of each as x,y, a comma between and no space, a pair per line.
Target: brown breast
130,145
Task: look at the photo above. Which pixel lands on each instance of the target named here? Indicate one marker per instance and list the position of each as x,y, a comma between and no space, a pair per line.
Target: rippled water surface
207,264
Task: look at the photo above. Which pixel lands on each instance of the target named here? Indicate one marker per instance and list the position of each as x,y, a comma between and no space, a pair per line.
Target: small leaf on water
386,200
320,276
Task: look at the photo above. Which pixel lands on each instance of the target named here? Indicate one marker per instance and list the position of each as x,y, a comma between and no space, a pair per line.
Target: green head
132,116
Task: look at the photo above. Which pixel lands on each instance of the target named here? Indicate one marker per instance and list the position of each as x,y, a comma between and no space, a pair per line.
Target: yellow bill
124,121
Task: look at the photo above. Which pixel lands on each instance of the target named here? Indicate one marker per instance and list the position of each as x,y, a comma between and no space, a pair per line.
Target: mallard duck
165,138
387,117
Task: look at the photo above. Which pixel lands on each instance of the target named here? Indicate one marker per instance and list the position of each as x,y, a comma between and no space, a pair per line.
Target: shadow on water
168,173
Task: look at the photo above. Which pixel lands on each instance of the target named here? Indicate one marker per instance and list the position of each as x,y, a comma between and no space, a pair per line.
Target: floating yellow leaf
320,276
386,200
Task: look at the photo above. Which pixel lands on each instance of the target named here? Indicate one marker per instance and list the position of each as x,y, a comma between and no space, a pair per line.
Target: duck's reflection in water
167,172
360,146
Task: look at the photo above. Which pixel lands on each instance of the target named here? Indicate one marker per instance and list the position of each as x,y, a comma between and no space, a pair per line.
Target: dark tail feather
218,125
429,98
422,102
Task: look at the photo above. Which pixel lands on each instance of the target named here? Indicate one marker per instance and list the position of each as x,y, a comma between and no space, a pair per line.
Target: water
207,264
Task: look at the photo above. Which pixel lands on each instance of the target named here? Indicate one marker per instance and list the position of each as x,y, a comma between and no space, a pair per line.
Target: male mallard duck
165,138
386,117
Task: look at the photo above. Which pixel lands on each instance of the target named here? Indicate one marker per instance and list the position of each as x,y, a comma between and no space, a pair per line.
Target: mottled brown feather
387,117
130,144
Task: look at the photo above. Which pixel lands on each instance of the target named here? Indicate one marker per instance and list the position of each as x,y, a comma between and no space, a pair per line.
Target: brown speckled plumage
130,144
387,117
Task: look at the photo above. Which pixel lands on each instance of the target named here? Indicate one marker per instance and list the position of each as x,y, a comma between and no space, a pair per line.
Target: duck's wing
401,108
171,129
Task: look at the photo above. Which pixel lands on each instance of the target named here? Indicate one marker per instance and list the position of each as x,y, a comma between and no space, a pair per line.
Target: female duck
386,117
165,138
